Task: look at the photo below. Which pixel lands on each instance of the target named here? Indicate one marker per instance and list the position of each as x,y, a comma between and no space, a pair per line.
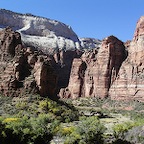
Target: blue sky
88,18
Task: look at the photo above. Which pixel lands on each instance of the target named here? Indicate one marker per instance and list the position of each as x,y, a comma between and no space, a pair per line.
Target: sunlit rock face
114,70
94,72
43,33
90,43
45,56
130,81
51,37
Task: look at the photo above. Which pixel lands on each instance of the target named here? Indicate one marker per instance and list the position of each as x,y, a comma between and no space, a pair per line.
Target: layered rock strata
130,81
111,69
116,70
93,74
23,69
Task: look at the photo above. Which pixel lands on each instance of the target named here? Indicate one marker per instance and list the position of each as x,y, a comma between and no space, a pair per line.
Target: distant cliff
41,33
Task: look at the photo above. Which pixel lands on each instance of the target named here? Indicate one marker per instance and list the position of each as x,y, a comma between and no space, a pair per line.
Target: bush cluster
27,130
33,119
89,130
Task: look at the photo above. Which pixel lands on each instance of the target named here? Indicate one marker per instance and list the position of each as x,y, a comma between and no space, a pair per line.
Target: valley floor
34,119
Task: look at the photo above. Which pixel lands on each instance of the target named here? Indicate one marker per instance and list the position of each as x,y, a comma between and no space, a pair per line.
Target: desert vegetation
33,119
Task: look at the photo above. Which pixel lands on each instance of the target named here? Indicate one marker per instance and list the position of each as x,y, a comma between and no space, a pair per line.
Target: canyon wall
104,69
130,81
94,72
24,70
115,70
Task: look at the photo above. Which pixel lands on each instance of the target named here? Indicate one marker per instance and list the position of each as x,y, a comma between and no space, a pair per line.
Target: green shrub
62,111
33,119
28,130
120,129
135,135
89,130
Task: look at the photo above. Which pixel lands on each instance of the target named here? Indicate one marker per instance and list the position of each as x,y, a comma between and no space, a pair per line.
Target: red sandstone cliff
130,81
114,70
23,70
94,73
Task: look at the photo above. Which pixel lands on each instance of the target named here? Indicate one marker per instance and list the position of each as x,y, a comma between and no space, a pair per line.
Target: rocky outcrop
116,70
90,43
76,82
64,60
139,29
9,42
24,70
43,33
45,77
94,73
109,68
109,60
39,32
130,81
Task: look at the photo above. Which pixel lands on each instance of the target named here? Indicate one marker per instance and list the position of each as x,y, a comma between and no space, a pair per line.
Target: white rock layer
44,33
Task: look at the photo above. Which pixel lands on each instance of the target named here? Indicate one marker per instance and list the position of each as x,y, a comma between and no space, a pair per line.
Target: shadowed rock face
45,77
23,70
63,63
9,40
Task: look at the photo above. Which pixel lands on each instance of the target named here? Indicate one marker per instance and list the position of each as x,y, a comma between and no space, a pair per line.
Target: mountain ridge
41,32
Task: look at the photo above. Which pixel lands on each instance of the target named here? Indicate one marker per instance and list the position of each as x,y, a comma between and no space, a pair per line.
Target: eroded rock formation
130,81
24,70
116,70
94,73
111,69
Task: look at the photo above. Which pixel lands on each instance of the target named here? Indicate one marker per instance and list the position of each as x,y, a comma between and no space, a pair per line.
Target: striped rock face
24,70
93,74
112,71
130,81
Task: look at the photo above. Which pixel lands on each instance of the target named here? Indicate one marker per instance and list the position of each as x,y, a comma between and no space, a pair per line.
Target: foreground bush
88,131
63,111
32,119
27,130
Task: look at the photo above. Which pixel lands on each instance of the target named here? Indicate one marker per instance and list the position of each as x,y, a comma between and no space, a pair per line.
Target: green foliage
135,135
89,130
28,130
32,106
62,111
33,119
121,129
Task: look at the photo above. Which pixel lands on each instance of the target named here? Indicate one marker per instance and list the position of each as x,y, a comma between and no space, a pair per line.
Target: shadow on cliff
117,55
63,65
